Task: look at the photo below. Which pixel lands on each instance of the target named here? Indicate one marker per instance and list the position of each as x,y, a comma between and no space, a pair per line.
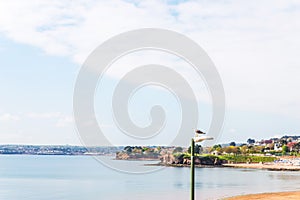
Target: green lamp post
197,138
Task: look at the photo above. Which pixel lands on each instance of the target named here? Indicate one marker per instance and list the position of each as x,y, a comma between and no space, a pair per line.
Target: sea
31,177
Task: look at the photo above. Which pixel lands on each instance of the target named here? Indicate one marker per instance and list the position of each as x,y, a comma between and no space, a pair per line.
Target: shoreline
184,165
260,166
266,166
138,159
291,195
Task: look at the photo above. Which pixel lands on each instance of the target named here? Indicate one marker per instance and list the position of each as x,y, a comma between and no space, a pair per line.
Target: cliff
184,159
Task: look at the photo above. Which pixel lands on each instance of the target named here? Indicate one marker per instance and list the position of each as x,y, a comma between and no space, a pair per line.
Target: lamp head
202,138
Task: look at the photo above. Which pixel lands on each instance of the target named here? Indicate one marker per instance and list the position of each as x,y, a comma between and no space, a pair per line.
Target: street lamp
197,138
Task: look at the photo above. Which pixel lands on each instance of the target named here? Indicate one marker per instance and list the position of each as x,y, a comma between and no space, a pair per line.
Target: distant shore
270,196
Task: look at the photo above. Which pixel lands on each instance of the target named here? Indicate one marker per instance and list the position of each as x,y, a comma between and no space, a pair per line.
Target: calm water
70,177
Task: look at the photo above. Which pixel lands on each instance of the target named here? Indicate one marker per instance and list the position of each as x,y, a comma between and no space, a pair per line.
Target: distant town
57,150
273,146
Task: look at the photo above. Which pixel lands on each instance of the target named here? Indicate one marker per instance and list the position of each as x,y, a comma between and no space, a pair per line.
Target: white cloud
75,29
65,121
37,128
62,120
255,44
9,117
44,115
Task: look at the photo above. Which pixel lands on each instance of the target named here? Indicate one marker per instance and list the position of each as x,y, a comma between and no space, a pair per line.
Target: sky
254,45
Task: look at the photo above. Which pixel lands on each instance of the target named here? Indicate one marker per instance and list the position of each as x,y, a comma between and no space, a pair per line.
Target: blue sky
254,45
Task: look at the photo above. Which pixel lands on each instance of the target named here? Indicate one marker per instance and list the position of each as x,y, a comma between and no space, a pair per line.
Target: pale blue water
79,177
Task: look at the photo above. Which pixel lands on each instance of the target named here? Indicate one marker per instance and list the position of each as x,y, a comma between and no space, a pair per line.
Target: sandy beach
269,196
267,166
286,165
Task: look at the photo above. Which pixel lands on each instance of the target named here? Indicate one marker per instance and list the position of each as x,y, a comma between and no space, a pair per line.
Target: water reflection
285,175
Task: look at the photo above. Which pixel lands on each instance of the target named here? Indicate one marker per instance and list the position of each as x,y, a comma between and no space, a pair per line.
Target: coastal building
277,147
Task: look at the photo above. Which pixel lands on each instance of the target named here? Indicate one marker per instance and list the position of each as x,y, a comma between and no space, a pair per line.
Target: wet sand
269,196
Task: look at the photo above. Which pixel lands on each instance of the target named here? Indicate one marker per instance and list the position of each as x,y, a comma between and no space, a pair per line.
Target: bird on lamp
198,132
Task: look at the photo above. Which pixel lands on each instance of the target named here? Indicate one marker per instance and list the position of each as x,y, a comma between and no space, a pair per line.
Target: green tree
283,141
244,149
128,149
216,147
158,149
296,147
284,149
259,149
137,150
177,150
231,149
145,149
198,148
250,141
232,144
